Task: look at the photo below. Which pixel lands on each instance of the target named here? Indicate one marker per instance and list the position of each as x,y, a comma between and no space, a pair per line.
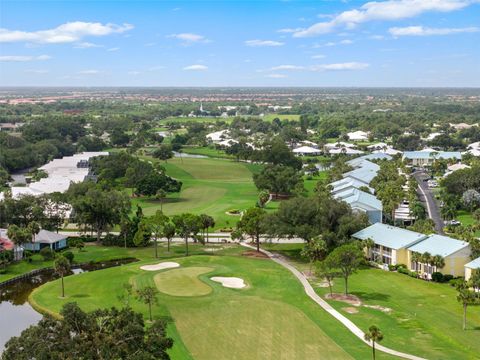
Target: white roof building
339,145
217,136
346,151
358,135
306,150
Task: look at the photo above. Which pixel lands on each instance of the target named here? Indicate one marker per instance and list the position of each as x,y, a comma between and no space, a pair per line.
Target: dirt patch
254,254
349,299
323,284
350,310
378,307
213,249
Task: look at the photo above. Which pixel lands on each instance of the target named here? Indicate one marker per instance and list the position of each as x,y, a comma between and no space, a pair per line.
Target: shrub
47,253
69,256
27,254
392,267
112,240
438,277
447,278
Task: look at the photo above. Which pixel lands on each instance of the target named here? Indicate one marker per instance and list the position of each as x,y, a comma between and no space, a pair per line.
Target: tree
168,233
33,228
164,152
187,225
347,258
252,224
278,179
156,225
325,269
142,235
102,334
160,196
18,235
62,268
465,297
373,335
471,199
263,198
207,222
438,262
314,250
148,295
101,209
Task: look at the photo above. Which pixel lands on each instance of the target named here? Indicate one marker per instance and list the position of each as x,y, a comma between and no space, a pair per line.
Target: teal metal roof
389,236
376,156
365,174
439,245
346,183
358,197
475,264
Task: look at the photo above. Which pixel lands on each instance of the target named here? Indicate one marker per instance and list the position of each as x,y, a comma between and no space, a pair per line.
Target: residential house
47,238
361,201
391,243
426,158
306,151
471,267
358,136
456,254
349,183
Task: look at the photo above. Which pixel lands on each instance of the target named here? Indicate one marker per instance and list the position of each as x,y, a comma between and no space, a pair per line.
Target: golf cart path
328,308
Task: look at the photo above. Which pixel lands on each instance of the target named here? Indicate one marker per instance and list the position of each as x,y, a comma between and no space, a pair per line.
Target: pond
16,314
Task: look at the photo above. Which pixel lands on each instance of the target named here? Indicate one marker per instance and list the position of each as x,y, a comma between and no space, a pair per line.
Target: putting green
183,282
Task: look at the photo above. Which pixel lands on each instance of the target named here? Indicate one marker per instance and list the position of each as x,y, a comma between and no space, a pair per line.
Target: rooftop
389,236
429,155
439,245
355,196
474,264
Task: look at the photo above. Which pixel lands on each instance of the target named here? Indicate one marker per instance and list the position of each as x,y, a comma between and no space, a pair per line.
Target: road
427,197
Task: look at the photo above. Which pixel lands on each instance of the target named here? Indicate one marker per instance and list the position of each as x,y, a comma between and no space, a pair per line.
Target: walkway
328,308
429,199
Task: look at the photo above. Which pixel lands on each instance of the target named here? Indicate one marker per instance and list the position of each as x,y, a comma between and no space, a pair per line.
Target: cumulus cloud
286,67
189,38
65,33
23,58
86,45
276,76
196,67
425,31
389,10
340,66
263,43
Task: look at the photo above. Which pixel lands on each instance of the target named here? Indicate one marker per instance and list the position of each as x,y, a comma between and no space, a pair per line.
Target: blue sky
240,43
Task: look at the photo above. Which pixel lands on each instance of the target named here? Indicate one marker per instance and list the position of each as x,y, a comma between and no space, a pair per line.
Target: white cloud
65,33
382,10
286,67
36,71
276,76
340,66
262,43
89,72
319,56
425,31
289,30
86,45
113,49
346,42
189,38
23,58
196,67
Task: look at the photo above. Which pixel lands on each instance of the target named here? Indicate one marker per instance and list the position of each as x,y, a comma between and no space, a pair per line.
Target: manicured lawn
270,319
183,281
310,184
425,318
207,151
466,218
210,186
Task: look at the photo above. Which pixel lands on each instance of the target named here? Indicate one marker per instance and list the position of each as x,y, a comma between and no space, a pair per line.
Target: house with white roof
358,135
391,242
306,151
456,254
388,151
339,145
361,201
348,183
364,174
217,136
345,151
471,267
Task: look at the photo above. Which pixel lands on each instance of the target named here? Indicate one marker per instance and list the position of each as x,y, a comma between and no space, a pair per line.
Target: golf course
210,186
270,318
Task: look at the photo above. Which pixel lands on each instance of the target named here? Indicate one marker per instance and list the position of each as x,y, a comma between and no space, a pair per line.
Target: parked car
453,222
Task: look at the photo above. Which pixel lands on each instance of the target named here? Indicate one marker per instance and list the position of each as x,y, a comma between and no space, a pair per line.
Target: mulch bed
349,299
254,254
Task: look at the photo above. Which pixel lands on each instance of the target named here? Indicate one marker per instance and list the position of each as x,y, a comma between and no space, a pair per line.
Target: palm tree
438,262
374,335
33,229
425,258
416,258
62,267
369,245
465,297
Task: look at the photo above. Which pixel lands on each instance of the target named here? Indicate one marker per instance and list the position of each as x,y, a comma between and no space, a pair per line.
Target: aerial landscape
239,180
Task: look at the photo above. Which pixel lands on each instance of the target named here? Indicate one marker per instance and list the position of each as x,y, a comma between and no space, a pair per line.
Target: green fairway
183,282
425,317
210,186
271,319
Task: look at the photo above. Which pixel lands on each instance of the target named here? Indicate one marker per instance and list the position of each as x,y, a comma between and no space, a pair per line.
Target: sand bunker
160,266
230,282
